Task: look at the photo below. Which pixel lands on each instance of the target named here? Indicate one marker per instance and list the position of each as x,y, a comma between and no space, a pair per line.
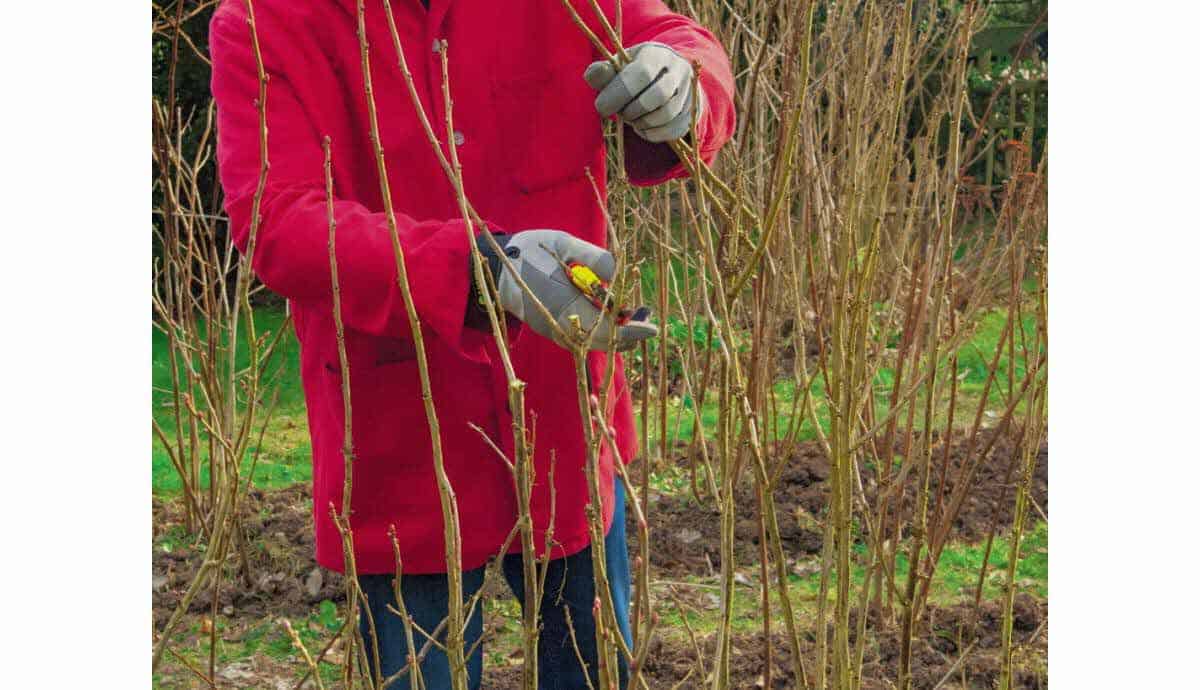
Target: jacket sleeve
291,254
648,163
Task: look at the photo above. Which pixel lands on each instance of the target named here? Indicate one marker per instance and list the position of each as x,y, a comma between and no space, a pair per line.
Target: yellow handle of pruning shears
588,282
596,290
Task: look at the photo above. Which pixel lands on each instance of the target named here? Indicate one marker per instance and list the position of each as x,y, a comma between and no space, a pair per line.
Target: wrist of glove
538,256
653,93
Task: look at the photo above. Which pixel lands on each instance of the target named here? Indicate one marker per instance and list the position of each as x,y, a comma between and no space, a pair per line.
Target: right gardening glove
538,256
653,93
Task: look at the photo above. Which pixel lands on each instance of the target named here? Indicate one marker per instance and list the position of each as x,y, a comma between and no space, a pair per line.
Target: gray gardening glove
653,93
530,253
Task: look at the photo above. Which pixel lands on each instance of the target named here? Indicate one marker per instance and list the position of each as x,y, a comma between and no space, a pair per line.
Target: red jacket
527,129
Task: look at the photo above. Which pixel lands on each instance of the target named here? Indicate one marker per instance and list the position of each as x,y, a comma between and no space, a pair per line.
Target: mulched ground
937,654
685,535
285,581
284,577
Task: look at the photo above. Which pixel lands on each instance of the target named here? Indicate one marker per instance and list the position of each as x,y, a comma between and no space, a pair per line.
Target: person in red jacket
529,94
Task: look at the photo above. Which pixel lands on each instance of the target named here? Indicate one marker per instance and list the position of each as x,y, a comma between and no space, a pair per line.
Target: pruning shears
597,292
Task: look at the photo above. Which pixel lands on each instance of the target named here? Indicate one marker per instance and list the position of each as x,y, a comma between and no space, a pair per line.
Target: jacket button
459,139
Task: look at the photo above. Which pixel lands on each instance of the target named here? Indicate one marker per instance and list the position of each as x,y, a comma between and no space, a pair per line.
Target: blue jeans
568,582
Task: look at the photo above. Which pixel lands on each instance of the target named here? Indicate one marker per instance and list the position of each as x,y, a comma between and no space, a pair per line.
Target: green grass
958,570
285,457
267,320
974,357
263,640
954,582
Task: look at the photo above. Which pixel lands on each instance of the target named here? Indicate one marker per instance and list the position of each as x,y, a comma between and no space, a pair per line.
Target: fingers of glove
678,103
660,90
535,319
627,335
624,87
588,315
634,332
678,126
675,129
599,74
572,249
550,290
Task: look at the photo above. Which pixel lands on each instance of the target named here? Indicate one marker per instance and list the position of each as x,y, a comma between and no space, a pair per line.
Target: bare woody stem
343,521
522,466
690,158
450,520
229,435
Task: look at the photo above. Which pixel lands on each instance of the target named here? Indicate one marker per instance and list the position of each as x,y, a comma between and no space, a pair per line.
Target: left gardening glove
653,93
538,257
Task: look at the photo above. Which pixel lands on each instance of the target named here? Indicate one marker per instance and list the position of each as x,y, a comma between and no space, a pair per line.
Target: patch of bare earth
944,634
274,575
685,535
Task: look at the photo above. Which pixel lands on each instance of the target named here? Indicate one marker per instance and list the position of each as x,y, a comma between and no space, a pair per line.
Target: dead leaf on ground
238,670
314,582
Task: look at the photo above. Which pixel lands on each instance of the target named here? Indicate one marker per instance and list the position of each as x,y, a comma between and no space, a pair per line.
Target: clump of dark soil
685,535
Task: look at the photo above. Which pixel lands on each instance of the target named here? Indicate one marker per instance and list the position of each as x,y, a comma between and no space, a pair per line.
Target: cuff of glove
476,316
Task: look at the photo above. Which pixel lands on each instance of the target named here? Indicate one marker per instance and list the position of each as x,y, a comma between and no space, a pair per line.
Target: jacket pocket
387,415
547,127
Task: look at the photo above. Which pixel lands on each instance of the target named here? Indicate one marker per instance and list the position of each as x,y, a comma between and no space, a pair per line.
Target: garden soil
685,534
945,632
283,580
